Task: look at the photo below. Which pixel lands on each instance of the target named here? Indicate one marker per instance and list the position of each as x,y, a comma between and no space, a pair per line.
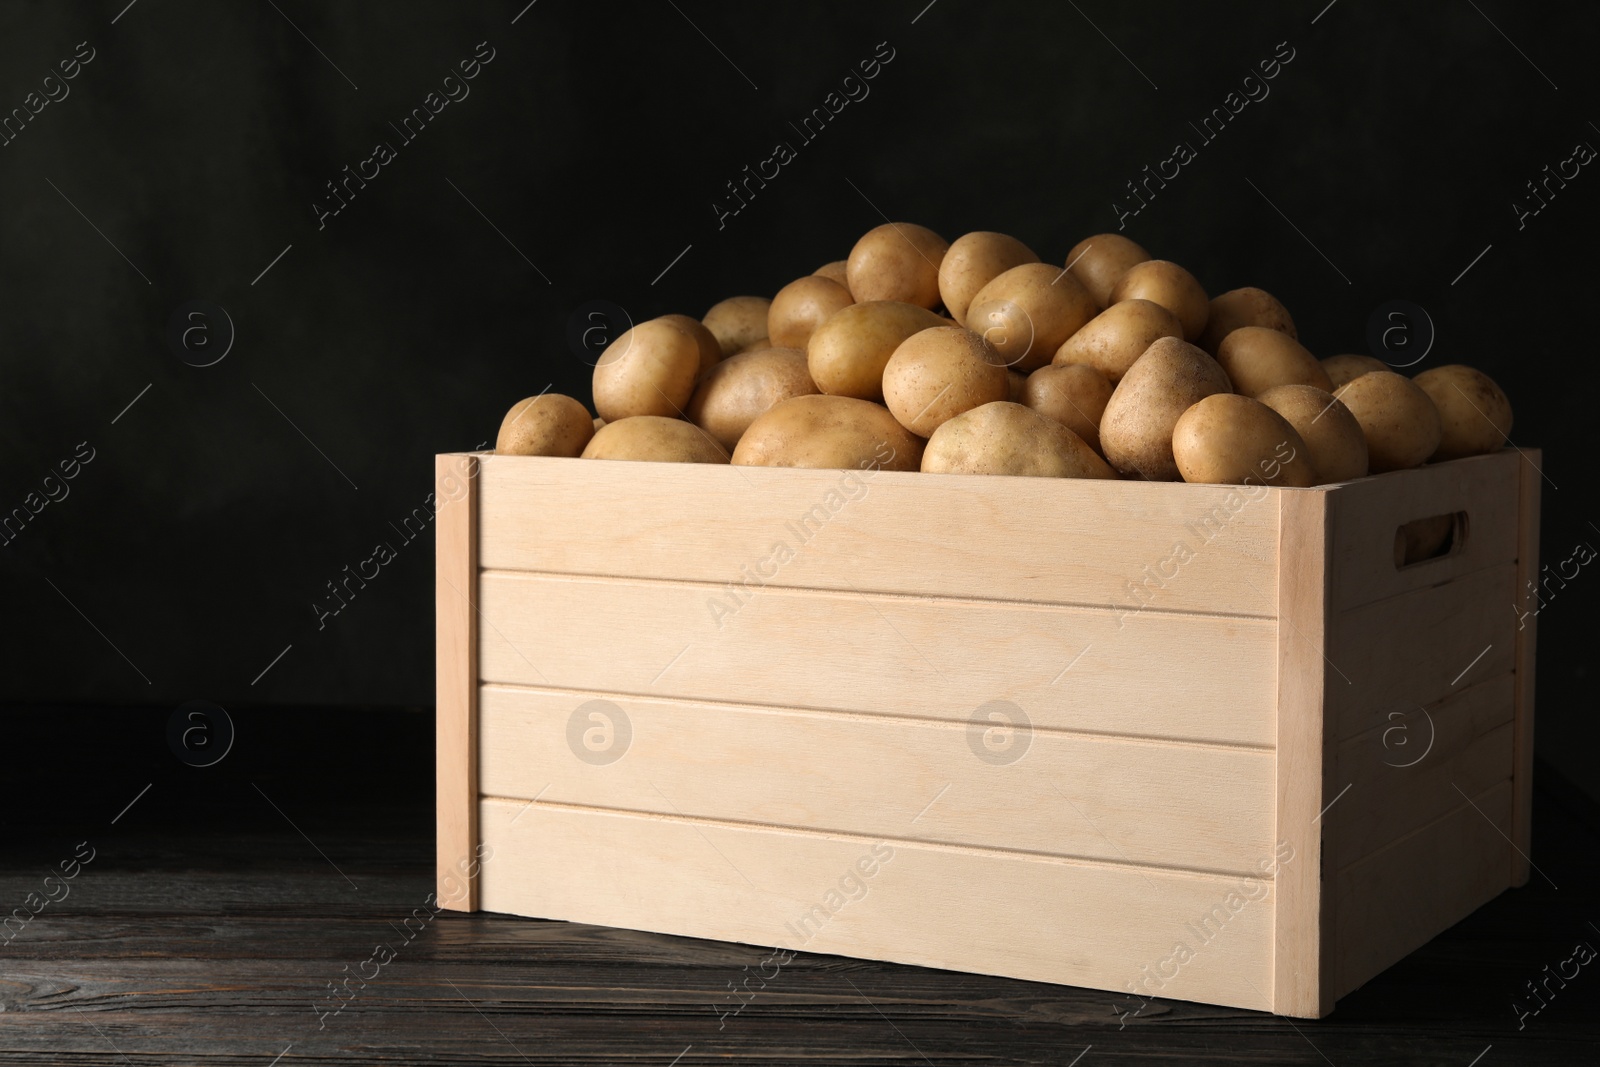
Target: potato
834,272
1244,307
704,339
1422,539
1399,420
757,345
1228,439
1006,438
973,261
1113,339
1072,394
847,353
652,437
1474,412
1257,359
648,370
737,322
743,386
1136,429
1164,282
1338,448
937,374
598,422
802,306
545,425
1017,385
1099,262
897,261
1341,369
828,432
1028,312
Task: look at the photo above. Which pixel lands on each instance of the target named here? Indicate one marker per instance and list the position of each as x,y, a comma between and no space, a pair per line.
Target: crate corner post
456,661
1529,489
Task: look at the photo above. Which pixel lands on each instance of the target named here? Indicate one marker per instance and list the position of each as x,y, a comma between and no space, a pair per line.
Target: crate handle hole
1424,540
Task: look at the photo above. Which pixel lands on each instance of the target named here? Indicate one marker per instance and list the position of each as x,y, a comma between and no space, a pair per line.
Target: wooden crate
1186,741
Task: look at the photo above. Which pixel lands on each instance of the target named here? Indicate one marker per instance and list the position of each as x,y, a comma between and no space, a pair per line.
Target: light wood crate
821,768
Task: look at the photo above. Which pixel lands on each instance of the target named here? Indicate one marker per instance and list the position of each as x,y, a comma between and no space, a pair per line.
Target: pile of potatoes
975,357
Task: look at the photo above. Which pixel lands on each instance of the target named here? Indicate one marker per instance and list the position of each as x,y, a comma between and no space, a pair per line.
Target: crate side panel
1395,901
989,913
1102,543
1149,674
988,784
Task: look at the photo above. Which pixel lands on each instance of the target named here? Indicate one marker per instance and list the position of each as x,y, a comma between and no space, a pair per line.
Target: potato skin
846,355
743,386
1074,395
1028,312
1228,439
654,438
1136,429
897,261
1257,358
973,261
1347,368
834,271
1099,262
546,425
1398,419
1337,447
1164,282
1113,339
938,373
800,307
1474,412
1005,438
737,322
1018,385
649,370
828,432
1248,306
705,341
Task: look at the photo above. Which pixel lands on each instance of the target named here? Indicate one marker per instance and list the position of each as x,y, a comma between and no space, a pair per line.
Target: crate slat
992,913
1067,668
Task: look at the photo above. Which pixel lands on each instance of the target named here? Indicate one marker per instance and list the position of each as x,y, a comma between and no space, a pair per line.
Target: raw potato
652,437
1343,369
846,355
973,261
738,322
1422,539
649,370
1474,412
1228,439
598,422
1399,420
1338,448
1136,429
704,339
755,346
1018,383
1113,339
744,386
1005,438
1257,359
1028,312
897,261
828,432
1074,395
546,425
1169,285
937,374
834,272
1244,307
1099,262
800,307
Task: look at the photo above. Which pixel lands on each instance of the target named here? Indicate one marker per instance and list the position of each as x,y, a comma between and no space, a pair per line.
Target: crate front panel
938,906
1099,543
1145,674
1198,807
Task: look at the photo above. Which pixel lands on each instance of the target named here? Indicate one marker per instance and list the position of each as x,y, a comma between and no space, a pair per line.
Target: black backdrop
187,157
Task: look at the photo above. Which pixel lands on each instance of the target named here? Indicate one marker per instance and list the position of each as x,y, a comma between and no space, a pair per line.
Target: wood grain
456,486
1199,807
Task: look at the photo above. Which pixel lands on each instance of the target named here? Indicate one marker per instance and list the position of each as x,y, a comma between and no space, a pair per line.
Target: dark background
192,148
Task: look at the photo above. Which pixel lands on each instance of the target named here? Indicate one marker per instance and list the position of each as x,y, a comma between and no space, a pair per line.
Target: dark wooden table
222,906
